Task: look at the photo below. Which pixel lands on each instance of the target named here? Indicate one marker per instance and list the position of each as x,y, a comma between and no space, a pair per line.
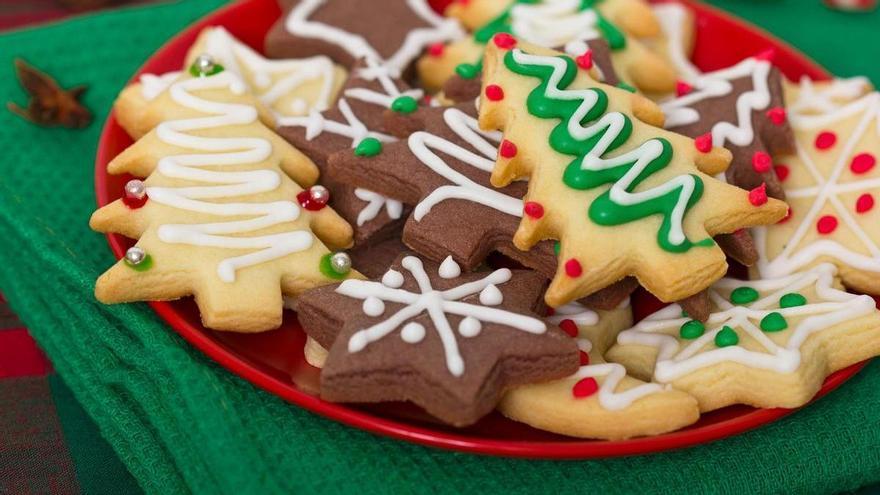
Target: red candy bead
504,41
761,162
863,162
533,209
776,115
313,198
584,357
494,92
135,194
585,61
569,327
827,224
682,88
704,143
865,203
825,140
436,49
573,268
786,217
767,55
585,387
758,195
782,172
507,149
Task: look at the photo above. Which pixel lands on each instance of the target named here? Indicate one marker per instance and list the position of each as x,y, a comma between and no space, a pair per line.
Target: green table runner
181,423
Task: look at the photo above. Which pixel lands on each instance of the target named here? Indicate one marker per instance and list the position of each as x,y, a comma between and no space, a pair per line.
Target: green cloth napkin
182,424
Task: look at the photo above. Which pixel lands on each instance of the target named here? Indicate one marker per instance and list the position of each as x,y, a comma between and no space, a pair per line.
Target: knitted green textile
181,423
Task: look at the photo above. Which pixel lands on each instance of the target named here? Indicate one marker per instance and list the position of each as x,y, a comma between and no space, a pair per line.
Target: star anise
49,105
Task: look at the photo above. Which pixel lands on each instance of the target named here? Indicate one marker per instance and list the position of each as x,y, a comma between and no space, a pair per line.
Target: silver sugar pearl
135,255
135,189
204,63
340,262
319,194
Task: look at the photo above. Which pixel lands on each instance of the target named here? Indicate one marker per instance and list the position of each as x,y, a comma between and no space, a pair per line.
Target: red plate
274,360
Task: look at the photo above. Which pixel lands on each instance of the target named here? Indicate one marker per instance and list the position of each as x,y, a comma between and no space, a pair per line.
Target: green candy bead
467,71
196,72
368,147
726,337
692,330
744,295
143,266
791,300
404,104
328,270
773,322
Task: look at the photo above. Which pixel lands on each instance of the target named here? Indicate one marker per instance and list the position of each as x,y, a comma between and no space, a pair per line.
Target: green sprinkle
692,329
626,87
143,266
743,295
195,72
368,147
404,104
467,71
791,300
557,246
726,337
326,267
773,322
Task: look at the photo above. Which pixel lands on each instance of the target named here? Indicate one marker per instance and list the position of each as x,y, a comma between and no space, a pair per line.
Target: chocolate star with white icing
450,342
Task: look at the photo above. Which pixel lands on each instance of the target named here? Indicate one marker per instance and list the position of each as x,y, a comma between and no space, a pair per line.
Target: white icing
614,374
412,333
470,327
393,279
449,268
576,312
437,305
373,306
829,97
375,202
441,29
678,358
673,18
206,168
491,296
152,85
554,23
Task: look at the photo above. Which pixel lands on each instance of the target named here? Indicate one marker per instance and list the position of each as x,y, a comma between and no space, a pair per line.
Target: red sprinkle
305,199
133,202
761,162
682,88
573,268
585,387
494,92
533,209
825,140
827,224
758,195
862,163
569,327
767,55
504,41
585,61
865,203
776,115
585,358
436,49
507,149
704,143
782,172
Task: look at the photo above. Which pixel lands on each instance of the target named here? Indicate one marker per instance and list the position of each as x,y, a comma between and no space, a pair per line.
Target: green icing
726,337
743,295
692,330
469,71
143,266
326,267
557,246
404,104
791,300
195,72
773,322
608,132
368,147
626,87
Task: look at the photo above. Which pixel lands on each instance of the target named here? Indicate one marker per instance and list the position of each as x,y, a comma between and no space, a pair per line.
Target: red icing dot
786,217
507,149
776,115
436,49
704,143
504,41
133,202
862,163
758,195
761,162
533,209
865,203
827,224
585,61
551,311
782,172
825,140
682,88
585,387
767,55
312,199
494,92
573,268
585,358
569,327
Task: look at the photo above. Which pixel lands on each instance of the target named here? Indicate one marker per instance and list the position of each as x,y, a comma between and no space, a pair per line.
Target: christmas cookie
218,215
832,185
649,209
818,97
768,343
563,24
427,333
599,400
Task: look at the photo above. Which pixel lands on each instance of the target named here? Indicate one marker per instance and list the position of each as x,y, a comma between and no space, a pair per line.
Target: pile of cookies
459,206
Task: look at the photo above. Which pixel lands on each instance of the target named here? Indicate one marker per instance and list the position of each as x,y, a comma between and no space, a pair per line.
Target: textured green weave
180,423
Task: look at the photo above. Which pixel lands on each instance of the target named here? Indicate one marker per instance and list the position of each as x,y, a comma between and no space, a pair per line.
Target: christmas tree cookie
563,24
220,214
623,197
832,185
768,343
600,400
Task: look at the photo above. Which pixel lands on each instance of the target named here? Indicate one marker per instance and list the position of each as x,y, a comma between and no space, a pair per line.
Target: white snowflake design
375,202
